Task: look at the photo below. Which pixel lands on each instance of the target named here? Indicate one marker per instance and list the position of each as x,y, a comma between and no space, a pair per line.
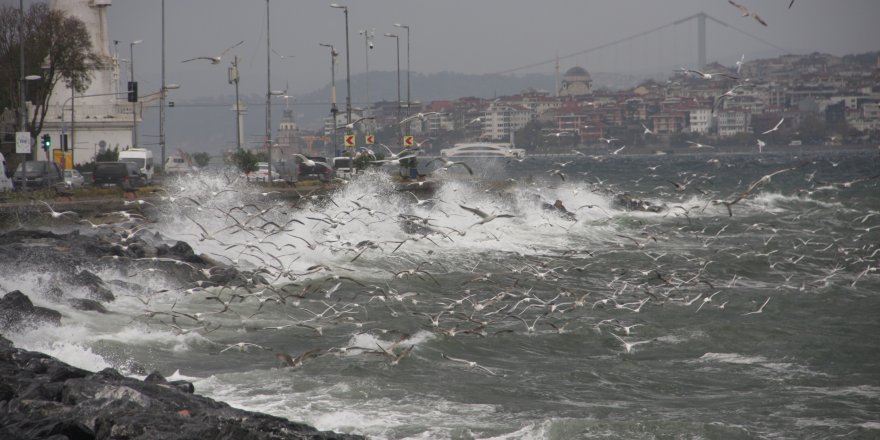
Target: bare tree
57,47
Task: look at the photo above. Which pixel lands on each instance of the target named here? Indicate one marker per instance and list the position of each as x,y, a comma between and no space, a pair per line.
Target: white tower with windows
92,123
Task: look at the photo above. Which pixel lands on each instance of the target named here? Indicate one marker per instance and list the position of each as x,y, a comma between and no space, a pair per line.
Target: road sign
23,142
408,141
349,140
370,139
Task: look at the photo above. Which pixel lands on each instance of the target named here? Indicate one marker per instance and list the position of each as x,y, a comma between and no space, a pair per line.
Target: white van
175,164
5,181
141,157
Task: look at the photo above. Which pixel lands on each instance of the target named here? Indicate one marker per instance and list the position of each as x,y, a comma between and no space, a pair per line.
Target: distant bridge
701,19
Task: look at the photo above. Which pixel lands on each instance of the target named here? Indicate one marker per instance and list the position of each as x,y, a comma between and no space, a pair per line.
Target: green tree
57,47
201,159
244,160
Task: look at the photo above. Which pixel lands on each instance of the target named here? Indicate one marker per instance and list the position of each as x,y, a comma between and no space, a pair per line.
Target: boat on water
482,150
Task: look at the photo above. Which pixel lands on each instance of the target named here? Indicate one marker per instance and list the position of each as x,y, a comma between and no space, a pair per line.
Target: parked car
124,174
262,173
73,179
343,166
37,174
322,170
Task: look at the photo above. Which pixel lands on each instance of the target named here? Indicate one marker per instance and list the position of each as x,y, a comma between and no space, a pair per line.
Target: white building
500,120
732,122
700,120
100,118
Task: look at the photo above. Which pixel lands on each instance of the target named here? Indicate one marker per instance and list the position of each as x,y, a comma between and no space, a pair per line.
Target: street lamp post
368,44
408,100
134,132
333,109
162,96
268,94
347,66
233,79
397,39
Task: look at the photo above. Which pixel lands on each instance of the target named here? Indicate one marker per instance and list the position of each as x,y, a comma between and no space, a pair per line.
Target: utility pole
162,95
268,94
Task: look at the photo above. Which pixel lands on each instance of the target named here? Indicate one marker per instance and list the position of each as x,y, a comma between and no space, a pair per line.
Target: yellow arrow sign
349,140
408,141
370,139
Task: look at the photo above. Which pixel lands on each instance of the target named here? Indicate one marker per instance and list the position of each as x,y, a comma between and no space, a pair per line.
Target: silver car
73,179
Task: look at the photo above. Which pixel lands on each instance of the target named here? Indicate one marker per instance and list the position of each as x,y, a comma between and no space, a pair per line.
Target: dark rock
155,377
60,401
107,375
85,304
16,310
627,201
98,290
184,386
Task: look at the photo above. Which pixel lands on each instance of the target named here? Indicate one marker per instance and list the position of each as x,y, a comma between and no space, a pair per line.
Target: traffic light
132,91
47,142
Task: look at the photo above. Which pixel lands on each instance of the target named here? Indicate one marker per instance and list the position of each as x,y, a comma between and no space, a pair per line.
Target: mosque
101,117
576,82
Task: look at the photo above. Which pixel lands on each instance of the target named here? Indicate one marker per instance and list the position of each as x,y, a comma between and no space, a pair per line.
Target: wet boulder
17,310
628,202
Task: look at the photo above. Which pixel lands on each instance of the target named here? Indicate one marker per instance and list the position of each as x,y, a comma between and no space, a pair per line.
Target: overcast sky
466,36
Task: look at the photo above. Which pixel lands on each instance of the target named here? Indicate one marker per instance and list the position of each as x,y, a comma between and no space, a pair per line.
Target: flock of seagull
409,284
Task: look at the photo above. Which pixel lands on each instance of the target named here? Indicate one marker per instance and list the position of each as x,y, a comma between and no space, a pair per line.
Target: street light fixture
408,101
165,87
134,103
368,45
397,39
333,109
347,65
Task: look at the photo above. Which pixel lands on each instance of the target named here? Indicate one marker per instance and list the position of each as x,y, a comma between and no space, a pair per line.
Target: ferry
482,150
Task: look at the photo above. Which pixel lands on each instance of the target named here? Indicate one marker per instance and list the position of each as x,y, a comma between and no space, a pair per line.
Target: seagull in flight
56,214
775,127
760,309
647,130
752,186
486,218
470,364
215,60
704,75
448,163
746,12
618,150
309,162
699,145
351,126
421,116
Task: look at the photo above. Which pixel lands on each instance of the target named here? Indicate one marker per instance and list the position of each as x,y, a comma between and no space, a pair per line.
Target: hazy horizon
489,36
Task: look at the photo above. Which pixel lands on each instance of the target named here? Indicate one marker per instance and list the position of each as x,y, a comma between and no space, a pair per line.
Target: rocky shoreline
44,398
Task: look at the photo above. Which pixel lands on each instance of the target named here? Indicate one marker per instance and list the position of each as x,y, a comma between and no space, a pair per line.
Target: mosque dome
577,71
576,82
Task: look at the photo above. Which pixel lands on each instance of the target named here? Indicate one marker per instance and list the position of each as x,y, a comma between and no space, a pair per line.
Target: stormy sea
683,296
